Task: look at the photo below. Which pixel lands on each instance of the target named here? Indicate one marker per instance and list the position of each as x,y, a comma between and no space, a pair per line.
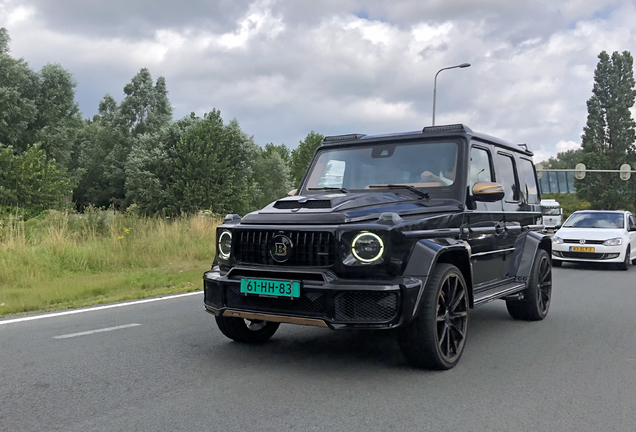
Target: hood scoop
312,204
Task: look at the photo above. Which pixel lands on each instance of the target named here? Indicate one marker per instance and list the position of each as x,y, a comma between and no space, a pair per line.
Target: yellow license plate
581,249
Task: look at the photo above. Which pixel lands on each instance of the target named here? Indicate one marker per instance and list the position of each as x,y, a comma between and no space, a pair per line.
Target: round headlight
225,244
367,247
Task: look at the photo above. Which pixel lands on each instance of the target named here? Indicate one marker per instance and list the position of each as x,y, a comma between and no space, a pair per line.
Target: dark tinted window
506,177
528,181
479,165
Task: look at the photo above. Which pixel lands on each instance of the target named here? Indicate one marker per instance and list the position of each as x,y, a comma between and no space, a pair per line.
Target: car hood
343,208
589,233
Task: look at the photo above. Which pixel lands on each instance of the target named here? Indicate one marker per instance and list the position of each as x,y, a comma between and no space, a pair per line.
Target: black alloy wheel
437,337
246,331
537,296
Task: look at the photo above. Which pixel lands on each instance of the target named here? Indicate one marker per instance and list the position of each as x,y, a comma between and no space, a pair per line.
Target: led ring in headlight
225,244
367,247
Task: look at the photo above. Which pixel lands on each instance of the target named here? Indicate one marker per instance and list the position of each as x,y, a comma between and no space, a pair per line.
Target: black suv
402,231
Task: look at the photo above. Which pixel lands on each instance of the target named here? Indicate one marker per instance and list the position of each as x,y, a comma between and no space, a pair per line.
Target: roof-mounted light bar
348,137
447,128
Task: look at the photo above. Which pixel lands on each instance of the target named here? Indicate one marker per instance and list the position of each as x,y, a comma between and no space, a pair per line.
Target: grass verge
65,260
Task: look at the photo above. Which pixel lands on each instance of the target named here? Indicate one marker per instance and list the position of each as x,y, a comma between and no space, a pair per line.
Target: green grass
63,260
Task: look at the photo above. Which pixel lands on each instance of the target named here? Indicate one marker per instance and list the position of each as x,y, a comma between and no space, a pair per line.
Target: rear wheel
625,264
437,336
537,296
246,331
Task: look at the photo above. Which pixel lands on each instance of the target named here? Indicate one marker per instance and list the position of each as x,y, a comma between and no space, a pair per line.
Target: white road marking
97,308
90,332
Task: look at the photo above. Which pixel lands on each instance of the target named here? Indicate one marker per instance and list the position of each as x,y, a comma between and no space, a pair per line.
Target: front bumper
325,300
608,254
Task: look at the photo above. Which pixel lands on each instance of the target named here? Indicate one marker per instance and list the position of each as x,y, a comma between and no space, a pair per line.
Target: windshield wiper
416,191
341,189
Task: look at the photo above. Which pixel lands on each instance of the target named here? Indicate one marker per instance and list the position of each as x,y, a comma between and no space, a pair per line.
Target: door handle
499,228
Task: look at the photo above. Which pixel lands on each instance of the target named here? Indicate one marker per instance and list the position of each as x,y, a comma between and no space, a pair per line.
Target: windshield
595,220
427,165
551,211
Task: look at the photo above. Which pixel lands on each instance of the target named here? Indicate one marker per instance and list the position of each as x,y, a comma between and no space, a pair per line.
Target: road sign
579,172
625,172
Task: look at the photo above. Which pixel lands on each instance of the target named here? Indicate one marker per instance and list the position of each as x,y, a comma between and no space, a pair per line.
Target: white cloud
283,68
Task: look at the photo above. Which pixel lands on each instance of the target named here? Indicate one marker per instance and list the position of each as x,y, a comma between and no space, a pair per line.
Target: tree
212,166
136,123
301,156
608,136
5,41
30,180
272,176
564,160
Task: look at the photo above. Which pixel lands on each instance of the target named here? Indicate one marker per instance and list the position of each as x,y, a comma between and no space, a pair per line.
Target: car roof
444,131
601,211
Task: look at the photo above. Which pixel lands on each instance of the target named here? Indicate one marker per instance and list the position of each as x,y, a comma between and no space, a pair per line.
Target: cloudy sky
286,67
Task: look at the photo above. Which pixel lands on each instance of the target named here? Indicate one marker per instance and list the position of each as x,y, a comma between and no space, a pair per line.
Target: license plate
581,249
270,288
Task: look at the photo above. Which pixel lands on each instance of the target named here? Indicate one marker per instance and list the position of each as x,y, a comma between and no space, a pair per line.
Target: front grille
594,242
584,255
311,248
365,306
311,303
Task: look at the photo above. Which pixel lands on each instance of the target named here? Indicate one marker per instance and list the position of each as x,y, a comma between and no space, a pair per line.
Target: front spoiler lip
409,288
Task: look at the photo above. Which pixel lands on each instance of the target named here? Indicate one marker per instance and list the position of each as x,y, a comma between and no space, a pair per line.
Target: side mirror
292,192
488,191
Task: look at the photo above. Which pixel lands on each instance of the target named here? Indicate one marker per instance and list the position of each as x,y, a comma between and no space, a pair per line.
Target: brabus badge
281,249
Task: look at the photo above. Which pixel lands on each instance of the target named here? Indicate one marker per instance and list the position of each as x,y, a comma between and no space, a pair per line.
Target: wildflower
120,237
126,230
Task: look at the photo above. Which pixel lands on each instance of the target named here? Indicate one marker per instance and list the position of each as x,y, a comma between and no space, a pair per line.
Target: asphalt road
174,371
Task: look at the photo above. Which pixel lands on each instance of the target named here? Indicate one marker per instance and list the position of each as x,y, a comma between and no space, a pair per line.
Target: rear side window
507,177
528,181
479,165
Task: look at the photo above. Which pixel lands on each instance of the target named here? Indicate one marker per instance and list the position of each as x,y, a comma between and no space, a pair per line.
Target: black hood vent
313,204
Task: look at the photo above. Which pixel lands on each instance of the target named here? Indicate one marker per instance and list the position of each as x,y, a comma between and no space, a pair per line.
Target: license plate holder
272,288
581,249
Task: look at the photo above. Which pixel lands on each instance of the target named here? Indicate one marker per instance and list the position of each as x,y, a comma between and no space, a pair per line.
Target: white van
552,214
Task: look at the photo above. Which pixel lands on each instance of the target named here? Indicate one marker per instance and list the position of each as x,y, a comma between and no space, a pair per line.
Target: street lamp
463,65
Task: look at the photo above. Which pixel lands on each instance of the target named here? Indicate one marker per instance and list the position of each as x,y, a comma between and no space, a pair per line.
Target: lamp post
463,65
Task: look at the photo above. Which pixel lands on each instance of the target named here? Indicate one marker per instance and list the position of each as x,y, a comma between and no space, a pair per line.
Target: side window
479,165
507,177
632,221
528,181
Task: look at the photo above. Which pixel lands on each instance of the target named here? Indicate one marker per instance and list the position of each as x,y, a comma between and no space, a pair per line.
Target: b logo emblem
281,248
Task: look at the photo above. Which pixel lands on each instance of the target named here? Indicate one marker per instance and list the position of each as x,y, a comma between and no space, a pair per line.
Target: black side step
498,291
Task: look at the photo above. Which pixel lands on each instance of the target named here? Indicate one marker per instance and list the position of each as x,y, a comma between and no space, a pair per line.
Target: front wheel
537,295
246,331
437,336
625,264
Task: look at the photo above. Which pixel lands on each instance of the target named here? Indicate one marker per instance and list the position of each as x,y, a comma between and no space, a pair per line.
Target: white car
596,236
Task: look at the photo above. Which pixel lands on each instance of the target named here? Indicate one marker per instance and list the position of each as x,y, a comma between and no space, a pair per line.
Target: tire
625,264
538,293
556,263
239,330
437,336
